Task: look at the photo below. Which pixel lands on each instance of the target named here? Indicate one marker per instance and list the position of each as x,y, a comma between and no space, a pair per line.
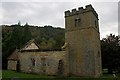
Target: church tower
83,39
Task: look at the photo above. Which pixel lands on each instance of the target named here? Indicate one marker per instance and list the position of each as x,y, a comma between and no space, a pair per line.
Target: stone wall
51,62
12,64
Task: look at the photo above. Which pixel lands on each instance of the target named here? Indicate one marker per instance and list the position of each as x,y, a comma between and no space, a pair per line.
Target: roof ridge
29,42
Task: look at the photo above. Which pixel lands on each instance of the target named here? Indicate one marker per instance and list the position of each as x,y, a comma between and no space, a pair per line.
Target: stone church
79,56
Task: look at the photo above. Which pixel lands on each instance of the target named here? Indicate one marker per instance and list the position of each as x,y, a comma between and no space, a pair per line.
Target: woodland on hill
51,38
16,36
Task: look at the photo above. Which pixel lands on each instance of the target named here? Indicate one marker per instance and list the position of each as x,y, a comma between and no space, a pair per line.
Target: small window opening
96,24
77,22
33,61
43,61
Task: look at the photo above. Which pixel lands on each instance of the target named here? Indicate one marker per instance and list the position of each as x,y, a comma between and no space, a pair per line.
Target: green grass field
8,75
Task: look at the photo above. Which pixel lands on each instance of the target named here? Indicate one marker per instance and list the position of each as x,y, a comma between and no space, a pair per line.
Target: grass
7,75
10,74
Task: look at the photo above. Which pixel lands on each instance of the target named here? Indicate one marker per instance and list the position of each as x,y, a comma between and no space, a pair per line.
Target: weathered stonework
12,65
82,35
12,60
51,64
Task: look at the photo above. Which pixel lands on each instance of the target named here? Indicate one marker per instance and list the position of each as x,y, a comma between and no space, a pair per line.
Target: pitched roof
30,45
14,55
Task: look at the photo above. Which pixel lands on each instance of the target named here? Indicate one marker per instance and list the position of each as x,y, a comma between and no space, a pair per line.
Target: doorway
18,66
60,67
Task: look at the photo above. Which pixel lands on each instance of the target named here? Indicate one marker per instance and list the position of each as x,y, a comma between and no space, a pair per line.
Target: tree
51,44
14,39
19,23
26,34
110,53
17,36
7,48
43,44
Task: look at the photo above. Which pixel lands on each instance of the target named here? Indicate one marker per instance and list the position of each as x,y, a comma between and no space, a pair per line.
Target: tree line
16,36
51,38
110,51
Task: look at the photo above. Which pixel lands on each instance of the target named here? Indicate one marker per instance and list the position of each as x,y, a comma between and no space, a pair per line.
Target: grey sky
119,18
52,13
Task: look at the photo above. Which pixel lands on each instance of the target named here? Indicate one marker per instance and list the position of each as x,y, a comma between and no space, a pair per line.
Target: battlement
81,10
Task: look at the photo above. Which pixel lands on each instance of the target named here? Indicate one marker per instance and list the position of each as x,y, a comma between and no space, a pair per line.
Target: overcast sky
52,13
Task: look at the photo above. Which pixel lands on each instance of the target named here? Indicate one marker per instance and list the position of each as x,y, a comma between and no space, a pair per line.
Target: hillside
15,36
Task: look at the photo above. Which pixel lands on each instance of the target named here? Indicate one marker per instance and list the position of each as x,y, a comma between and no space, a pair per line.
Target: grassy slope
14,74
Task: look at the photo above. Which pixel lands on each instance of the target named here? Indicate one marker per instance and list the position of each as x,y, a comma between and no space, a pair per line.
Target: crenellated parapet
81,10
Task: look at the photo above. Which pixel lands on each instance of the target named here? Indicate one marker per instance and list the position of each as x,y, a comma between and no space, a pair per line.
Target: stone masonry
83,38
50,65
